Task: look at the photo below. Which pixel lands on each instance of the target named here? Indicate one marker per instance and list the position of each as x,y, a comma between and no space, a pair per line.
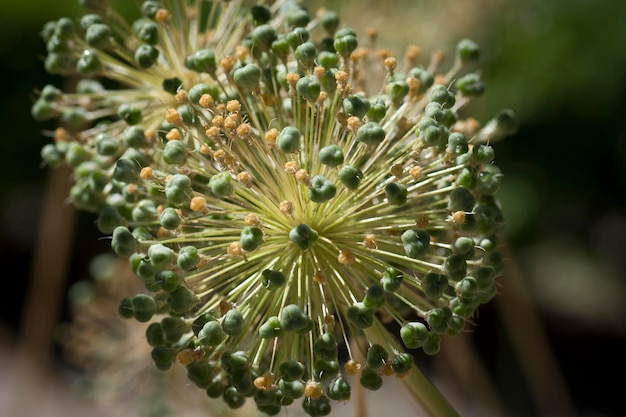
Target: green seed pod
297,36
370,379
465,247
376,356
316,407
198,90
271,328
125,308
178,189
440,94
370,133
167,280
291,370
470,85
484,276
98,35
211,334
339,389
154,335
247,76
377,111
233,323
144,307
414,334
123,242
345,45
416,242
455,267
202,60
325,347
374,297
173,328
188,258
43,110
482,154
264,397
456,324
402,363
461,199
169,218
108,219
126,170
359,315
74,117
59,64
328,59
396,193
305,54
215,389
129,113
397,90
280,47
200,373
52,157
331,155
181,299
494,260
89,63
200,321
468,51
293,389
144,211
350,176
260,14
324,370
262,37
273,279
434,285
221,184
233,398
146,56
457,143
437,319
163,357
250,238
288,139
309,87
134,136
160,255
175,153
391,280
433,344
297,16
235,362
149,8
321,189
356,105
148,33
292,319
433,110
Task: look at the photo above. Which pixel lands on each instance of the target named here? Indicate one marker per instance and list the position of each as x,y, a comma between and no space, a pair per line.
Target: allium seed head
308,193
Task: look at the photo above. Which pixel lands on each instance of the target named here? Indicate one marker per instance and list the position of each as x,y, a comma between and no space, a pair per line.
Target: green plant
285,194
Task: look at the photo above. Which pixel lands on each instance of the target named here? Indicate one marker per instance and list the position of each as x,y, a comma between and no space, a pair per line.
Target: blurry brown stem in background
44,296
531,344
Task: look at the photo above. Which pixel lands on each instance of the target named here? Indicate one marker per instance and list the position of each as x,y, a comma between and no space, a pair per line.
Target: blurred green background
560,65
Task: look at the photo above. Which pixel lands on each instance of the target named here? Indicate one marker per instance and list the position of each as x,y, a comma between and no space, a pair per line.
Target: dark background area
560,65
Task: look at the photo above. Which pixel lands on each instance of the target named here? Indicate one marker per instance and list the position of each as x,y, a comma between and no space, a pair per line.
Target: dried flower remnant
281,191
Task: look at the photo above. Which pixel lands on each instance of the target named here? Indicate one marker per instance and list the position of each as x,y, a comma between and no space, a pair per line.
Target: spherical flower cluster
286,194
